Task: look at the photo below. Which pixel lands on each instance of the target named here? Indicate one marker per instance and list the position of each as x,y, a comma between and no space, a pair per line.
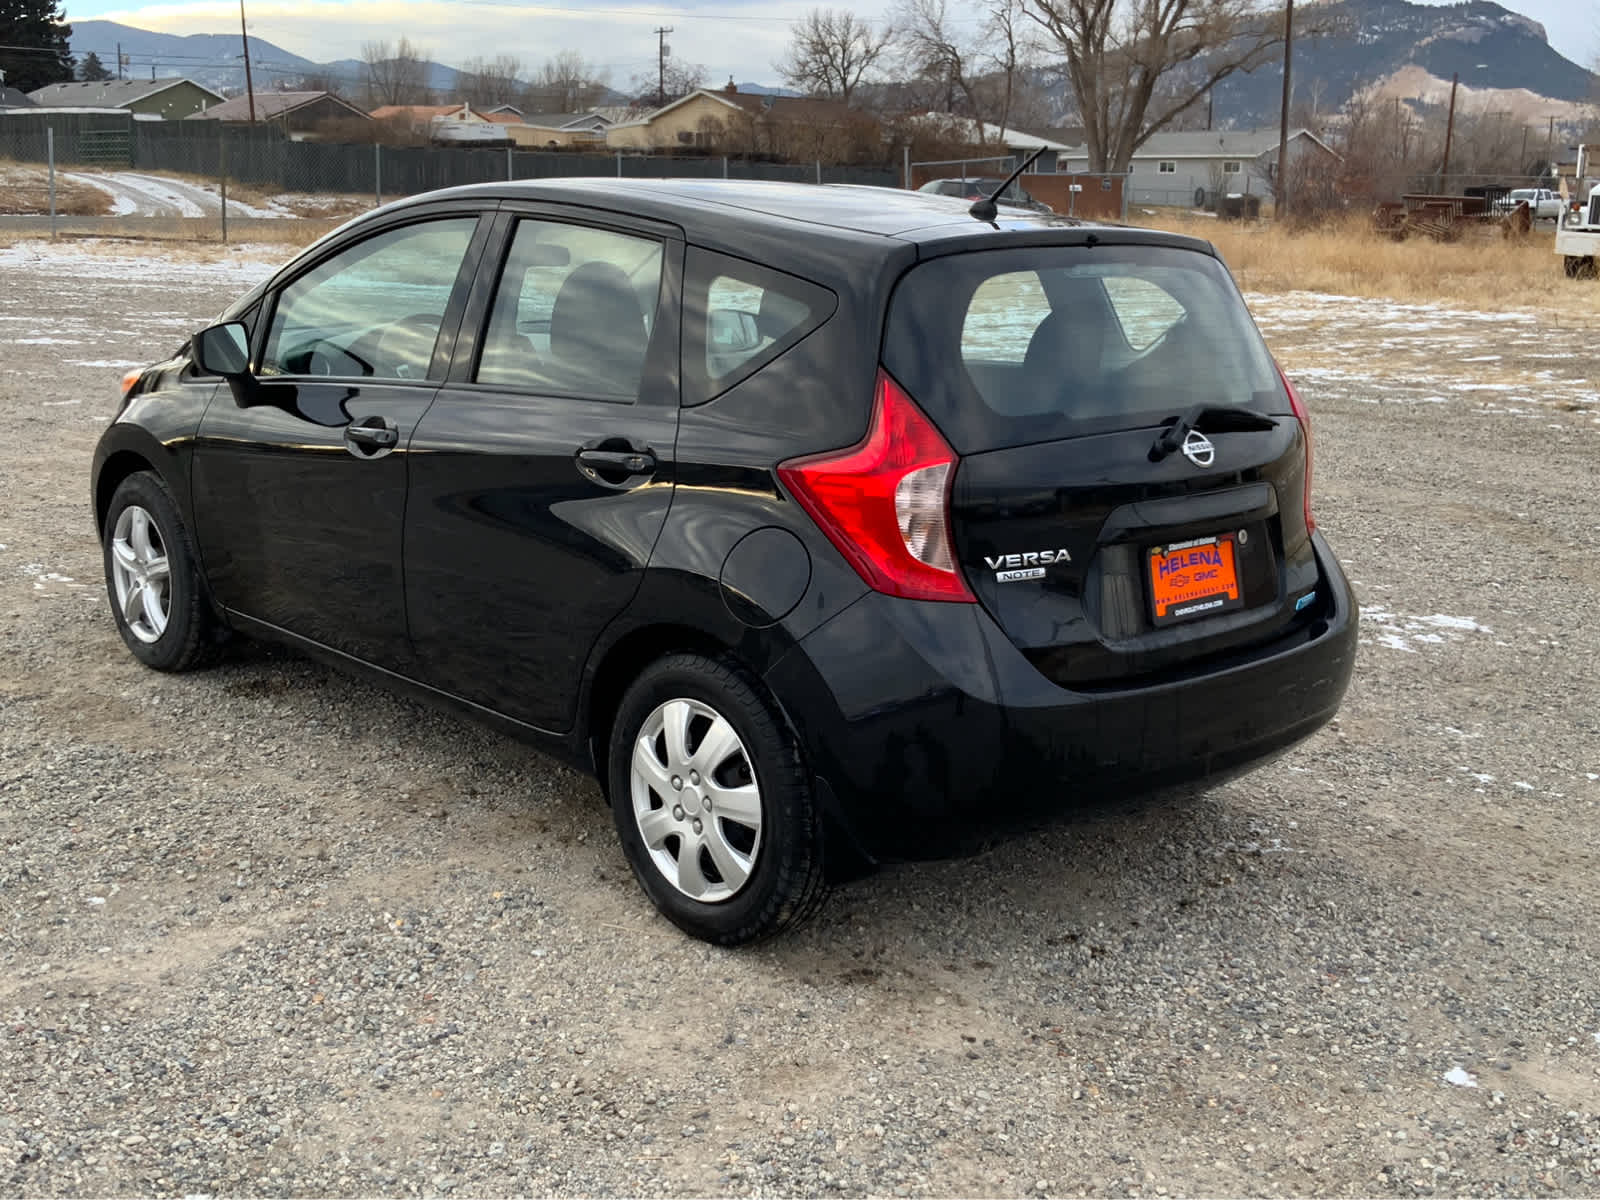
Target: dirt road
270,931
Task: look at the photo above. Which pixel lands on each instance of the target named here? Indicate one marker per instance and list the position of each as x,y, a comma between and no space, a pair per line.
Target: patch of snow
122,204
1460,1078
1400,631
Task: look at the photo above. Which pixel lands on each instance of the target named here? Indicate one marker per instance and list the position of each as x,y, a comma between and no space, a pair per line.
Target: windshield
1006,347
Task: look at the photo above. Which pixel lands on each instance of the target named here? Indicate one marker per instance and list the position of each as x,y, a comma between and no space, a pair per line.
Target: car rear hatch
1129,499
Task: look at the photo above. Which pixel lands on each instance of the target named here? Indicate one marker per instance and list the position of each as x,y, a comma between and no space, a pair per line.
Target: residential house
1005,142
1183,167
452,124
153,99
728,121
422,117
299,113
585,129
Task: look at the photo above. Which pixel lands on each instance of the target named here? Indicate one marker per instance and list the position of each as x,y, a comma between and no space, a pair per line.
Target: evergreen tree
92,70
41,29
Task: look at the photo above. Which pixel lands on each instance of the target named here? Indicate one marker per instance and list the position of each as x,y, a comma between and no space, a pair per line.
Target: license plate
1197,578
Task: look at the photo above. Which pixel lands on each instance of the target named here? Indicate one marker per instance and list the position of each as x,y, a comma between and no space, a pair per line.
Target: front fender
156,430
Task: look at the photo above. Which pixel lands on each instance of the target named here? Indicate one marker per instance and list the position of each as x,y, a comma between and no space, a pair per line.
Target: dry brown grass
25,191
1344,257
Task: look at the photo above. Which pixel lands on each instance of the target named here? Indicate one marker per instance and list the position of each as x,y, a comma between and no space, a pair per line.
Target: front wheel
713,803
153,578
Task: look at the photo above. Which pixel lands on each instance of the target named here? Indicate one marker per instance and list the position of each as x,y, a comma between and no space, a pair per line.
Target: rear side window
738,317
1005,347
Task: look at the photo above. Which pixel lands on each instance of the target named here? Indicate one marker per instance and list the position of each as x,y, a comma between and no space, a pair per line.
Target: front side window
374,309
573,312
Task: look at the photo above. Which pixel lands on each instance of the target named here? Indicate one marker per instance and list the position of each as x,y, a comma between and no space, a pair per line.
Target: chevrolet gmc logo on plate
1194,579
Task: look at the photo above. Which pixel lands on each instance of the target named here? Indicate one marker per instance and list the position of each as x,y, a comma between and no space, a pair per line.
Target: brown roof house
728,121
297,112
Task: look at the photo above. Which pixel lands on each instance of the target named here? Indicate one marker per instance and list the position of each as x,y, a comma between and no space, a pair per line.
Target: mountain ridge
1371,41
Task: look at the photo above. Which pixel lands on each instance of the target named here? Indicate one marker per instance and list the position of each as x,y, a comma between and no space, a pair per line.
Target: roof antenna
984,209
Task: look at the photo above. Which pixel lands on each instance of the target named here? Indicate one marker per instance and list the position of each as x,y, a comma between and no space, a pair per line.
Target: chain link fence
112,174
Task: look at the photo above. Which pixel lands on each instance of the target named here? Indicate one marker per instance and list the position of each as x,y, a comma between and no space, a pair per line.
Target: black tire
786,882
190,637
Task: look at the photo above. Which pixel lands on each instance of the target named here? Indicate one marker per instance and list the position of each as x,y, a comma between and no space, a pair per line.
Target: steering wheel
405,349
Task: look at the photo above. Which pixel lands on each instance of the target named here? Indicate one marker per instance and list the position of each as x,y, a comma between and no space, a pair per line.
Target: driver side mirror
223,350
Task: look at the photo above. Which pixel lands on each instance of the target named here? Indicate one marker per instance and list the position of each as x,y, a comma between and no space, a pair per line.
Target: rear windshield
1006,347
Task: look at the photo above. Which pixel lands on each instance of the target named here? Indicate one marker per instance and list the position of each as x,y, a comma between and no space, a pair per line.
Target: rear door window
573,312
1006,347
739,316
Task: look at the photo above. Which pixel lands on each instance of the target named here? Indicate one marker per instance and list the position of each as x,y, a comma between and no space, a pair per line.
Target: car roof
716,212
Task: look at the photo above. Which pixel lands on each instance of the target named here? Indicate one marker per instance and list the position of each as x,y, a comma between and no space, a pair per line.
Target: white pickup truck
1546,205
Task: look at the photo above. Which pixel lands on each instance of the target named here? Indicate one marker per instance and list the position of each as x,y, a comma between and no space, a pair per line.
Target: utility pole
119,70
1281,175
1449,129
1211,106
661,64
249,86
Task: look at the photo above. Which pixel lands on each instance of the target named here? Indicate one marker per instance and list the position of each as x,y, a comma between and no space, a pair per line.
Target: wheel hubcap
140,575
696,800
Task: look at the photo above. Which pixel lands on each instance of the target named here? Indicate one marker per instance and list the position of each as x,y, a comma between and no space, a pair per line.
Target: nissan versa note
820,523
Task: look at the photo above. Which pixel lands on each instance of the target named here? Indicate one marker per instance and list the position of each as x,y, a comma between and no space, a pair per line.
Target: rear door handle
617,462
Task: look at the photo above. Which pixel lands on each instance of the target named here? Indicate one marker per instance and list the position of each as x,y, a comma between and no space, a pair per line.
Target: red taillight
1300,414
885,502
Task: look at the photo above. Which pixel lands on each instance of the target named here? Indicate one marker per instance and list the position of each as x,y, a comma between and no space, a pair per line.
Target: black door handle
617,462
377,436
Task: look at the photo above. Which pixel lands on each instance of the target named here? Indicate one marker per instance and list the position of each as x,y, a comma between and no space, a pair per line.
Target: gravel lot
269,931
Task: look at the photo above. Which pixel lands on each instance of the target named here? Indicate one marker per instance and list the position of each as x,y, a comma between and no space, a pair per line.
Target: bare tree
567,82
978,72
938,55
681,78
830,52
323,80
395,76
490,82
1134,65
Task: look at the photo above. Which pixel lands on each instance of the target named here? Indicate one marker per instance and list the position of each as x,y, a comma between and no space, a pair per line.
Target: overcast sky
740,38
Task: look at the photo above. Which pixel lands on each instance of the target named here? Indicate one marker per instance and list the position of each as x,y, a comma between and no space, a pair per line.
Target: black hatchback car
817,522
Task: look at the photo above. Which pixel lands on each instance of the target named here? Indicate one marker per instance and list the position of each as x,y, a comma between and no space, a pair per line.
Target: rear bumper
932,732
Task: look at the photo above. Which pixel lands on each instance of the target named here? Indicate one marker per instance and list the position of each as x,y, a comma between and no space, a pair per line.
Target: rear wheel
713,803
153,579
